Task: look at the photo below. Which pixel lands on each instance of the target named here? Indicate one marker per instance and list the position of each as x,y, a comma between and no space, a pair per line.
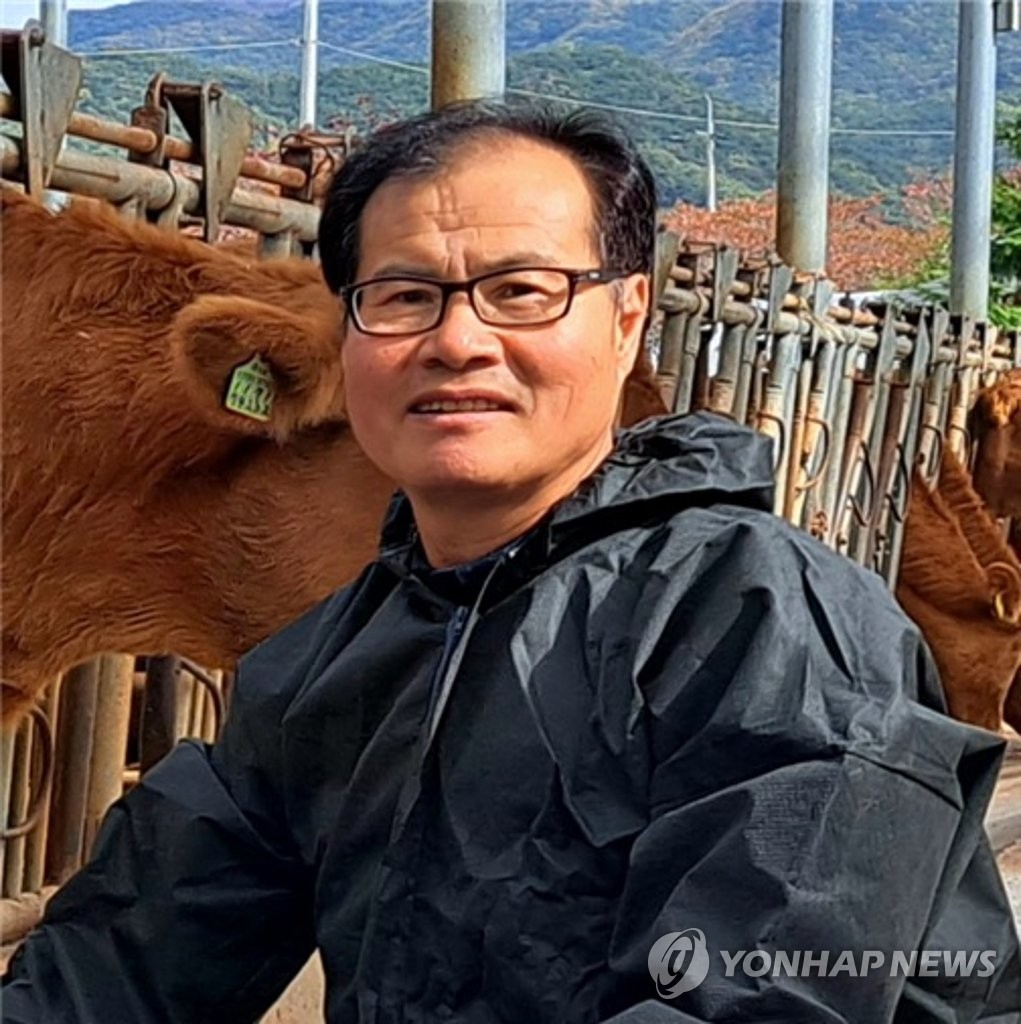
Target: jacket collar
693,459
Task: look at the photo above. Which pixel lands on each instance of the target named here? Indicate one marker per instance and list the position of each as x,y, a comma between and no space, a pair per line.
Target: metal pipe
142,140
159,710
53,14
309,64
113,711
1008,15
710,155
35,847
468,50
119,182
802,176
735,314
21,782
974,136
75,732
6,788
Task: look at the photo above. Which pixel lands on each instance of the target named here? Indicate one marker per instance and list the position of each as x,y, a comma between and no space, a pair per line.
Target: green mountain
893,70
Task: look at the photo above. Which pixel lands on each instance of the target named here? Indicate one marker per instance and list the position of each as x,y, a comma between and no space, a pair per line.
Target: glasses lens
397,306
523,296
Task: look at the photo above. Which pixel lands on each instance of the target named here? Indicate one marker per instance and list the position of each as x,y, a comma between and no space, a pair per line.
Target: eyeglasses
522,297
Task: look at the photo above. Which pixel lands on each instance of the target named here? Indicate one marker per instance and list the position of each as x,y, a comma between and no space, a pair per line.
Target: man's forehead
511,186
513,196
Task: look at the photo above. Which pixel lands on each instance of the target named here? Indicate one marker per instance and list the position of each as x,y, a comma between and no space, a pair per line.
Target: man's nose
460,337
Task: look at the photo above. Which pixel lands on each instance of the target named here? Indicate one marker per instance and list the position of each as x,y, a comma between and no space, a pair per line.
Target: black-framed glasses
520,297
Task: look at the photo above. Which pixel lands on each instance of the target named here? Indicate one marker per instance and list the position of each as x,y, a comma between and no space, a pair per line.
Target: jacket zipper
452,637
459,630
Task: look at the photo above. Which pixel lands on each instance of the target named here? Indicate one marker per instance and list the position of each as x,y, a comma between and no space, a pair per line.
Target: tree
868,249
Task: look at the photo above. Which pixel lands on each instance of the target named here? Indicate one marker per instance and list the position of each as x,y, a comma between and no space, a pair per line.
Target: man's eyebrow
524,258
400,269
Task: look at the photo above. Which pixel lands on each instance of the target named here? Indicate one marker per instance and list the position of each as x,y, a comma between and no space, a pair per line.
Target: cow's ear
1006,585
255,368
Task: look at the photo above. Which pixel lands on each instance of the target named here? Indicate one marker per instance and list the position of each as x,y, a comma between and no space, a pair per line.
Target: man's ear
255,368
632,309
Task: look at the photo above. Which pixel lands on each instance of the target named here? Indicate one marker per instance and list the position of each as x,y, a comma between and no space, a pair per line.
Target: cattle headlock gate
854,394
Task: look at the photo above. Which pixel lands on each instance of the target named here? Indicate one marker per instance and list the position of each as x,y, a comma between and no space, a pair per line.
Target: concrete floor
302,1003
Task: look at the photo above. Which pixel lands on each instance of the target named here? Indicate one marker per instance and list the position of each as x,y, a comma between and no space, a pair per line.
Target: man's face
507,201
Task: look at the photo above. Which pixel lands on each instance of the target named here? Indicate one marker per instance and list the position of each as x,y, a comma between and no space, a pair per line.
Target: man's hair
620,182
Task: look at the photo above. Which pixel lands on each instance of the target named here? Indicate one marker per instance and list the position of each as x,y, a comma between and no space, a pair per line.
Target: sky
14,13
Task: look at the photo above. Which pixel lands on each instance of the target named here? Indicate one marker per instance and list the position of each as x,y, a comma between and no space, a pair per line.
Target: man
593,717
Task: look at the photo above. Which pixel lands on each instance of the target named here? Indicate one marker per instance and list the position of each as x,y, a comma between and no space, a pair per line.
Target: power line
190,49
661,115
728,122
929,132
374,60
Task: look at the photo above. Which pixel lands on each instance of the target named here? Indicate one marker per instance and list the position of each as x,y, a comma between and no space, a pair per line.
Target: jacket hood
696,458
691,459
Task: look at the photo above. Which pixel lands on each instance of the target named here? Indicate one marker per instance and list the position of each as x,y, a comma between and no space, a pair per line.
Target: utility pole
802,179
309,63
53,15
468,50
710,156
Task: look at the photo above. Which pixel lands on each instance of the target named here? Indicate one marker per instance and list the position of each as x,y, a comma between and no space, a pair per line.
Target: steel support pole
53,14
802,179
468,50
75,735
974,135
309,63
710,155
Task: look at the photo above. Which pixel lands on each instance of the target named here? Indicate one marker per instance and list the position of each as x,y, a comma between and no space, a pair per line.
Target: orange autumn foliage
866,249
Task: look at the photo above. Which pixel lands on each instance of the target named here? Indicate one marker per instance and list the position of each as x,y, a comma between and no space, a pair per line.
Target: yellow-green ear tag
250,391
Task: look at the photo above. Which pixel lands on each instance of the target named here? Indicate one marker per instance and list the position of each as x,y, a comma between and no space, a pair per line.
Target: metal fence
854,395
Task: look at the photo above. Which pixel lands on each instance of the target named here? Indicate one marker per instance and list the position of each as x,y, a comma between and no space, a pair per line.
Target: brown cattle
961,582
138,513
996,427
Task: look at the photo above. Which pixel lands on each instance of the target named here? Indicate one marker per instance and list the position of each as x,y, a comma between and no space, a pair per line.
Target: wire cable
662,115
189,49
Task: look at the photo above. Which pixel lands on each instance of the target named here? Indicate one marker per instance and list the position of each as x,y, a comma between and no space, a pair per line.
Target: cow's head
251,367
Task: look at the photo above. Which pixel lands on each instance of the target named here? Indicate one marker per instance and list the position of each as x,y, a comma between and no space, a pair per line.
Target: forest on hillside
369,94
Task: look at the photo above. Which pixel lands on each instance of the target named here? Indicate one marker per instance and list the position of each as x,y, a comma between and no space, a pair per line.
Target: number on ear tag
250,391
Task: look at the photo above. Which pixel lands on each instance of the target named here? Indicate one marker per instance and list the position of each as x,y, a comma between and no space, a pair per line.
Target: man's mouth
462,405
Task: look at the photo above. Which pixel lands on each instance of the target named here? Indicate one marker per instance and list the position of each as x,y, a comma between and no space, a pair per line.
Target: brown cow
138,513
961,582
996,426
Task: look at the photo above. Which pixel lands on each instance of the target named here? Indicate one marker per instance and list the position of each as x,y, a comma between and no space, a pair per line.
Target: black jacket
485,793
